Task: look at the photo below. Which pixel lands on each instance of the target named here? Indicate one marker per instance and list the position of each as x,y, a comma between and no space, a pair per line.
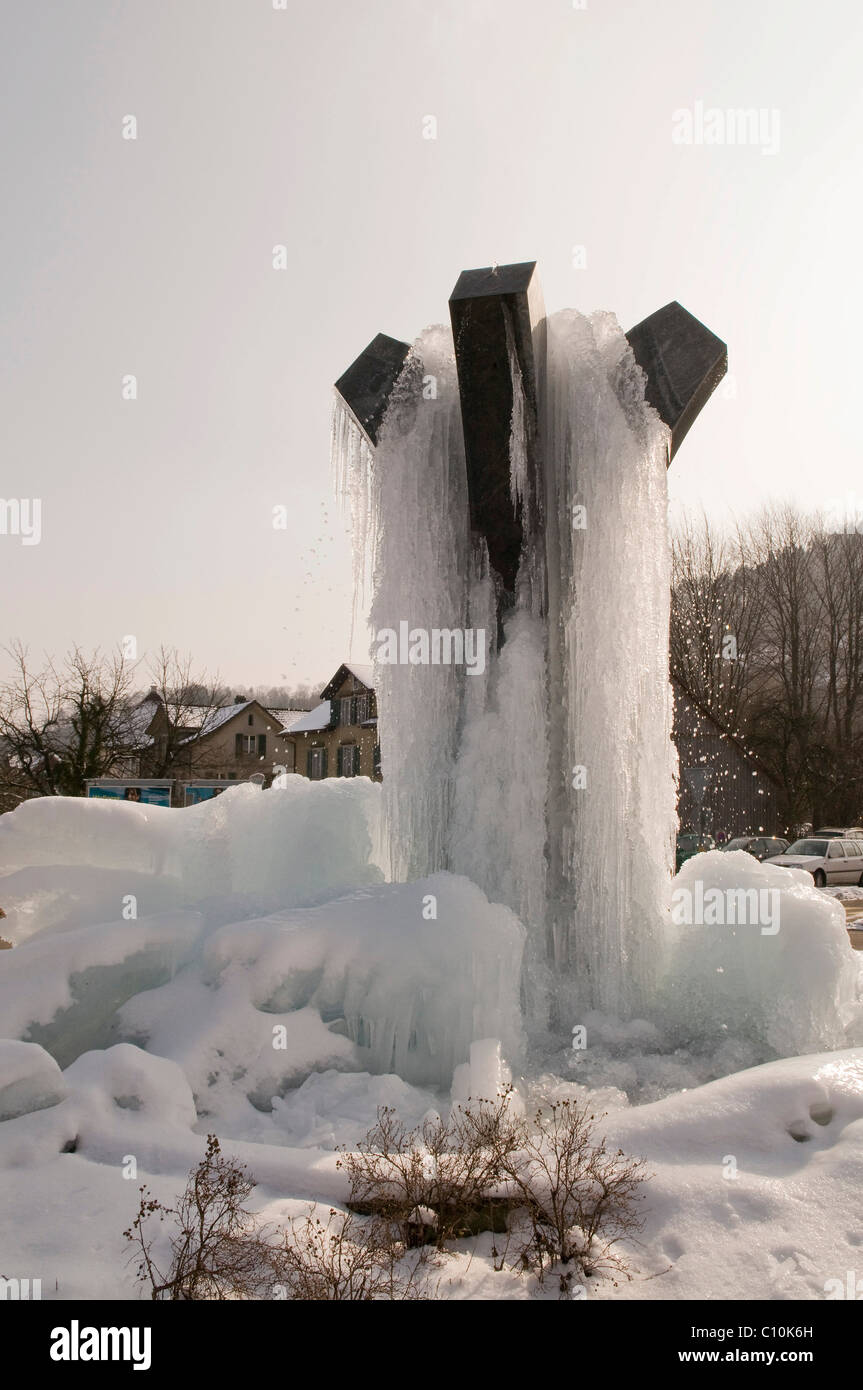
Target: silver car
828,861
760,846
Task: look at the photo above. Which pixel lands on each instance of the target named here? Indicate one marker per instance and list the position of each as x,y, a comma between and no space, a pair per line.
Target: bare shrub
218,1250
440,1181
576,1197
346,1259
550,1184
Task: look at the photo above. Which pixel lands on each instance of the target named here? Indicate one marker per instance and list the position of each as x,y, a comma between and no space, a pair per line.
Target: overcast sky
306,127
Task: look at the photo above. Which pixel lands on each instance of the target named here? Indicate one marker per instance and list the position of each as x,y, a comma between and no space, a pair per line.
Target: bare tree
717,607
838,581
786,721
189,700
789,592
62,725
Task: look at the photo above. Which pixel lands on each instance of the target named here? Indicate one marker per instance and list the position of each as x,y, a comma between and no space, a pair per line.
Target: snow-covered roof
214,719
139,719
287,718
362,673
314,720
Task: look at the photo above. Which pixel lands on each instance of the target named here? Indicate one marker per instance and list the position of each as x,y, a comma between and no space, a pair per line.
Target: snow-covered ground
241,968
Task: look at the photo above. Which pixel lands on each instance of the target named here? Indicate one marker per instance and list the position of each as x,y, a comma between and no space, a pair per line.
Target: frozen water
616,819
30,1079
787,982
68,862
549,780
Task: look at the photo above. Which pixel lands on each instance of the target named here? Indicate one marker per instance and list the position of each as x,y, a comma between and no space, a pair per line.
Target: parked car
829,861
761,846
830,832
689,843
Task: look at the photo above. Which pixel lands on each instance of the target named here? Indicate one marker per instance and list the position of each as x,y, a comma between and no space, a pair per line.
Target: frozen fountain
507,478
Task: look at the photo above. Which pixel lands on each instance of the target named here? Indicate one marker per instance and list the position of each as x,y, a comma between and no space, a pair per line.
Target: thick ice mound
63,991
391,978
68,862
29,1079
758,954
371,982
336,1108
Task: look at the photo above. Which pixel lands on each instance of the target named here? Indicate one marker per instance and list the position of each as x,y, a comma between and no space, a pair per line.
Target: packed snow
284,1032
499,918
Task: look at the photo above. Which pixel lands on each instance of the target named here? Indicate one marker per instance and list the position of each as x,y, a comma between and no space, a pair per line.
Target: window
346,710
835,850
316,763
348,760
362,713
251,719
262,745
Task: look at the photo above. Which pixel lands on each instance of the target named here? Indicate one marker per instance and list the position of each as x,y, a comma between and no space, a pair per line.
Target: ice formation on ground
69,862
390,978
753,1189
786,982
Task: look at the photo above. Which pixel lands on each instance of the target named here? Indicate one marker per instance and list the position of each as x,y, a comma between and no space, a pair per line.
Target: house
339,737
212,745
231,742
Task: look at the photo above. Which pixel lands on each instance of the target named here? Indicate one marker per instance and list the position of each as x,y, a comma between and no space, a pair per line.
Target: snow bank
67,862
151,1092
63,991
416,971
29,1079
74,830
398,978
299,843
332,1109
774,968
755,1182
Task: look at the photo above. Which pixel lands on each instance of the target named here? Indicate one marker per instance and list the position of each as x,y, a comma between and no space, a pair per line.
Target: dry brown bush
347,1259
440,1181
219,1250
562,1196
576,1198
550,1182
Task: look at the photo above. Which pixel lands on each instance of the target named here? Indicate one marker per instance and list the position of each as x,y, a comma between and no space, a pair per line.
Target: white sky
305,127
